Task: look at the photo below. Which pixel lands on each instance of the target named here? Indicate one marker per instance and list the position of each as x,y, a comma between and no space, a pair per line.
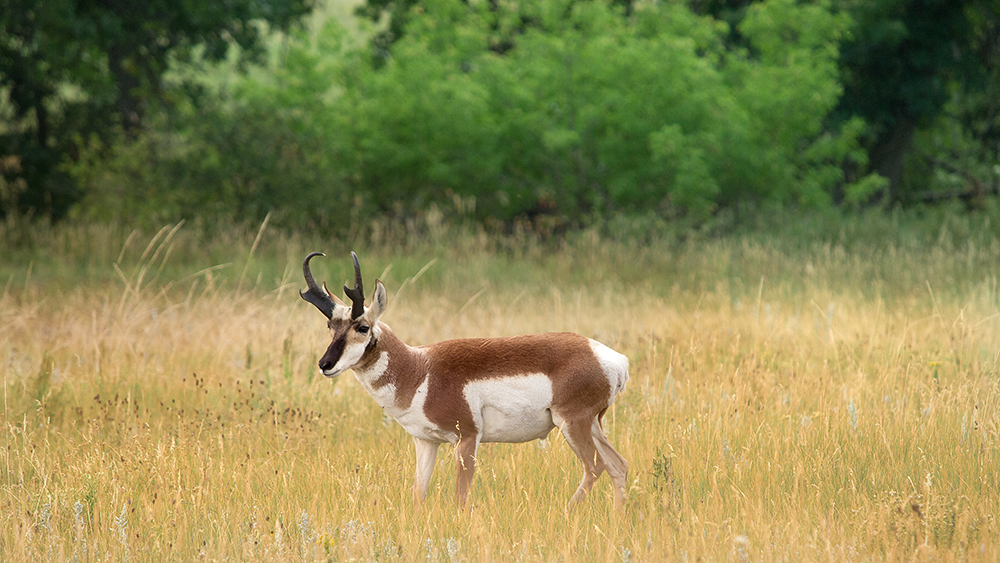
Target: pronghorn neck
390,370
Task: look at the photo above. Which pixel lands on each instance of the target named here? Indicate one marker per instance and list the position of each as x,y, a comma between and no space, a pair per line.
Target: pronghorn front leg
465,459
426,455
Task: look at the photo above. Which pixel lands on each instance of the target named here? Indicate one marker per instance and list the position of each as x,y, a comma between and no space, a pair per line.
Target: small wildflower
328,542
304,527
452,546
81,542
46,516
726,451
742,545
279,541
120,529
852,410
306,533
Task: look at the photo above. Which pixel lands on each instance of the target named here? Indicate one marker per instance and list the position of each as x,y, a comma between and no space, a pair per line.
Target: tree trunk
126,82
888,153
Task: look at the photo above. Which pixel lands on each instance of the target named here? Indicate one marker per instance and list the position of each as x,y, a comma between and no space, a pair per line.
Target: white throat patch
385,396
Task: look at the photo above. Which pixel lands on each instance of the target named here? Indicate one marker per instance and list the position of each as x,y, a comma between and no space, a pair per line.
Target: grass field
827,400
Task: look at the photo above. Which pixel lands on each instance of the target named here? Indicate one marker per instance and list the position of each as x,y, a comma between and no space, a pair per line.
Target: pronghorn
474,390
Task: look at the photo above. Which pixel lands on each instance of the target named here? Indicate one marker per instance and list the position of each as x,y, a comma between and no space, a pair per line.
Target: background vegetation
561,113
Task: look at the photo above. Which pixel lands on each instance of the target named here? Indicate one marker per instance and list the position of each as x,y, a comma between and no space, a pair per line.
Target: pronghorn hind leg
616,465
465,460
578,435
426,455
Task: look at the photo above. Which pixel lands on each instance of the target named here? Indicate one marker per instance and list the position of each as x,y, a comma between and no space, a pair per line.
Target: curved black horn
314,294
357,294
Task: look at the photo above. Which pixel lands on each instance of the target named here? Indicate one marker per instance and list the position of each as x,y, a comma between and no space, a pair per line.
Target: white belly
511,409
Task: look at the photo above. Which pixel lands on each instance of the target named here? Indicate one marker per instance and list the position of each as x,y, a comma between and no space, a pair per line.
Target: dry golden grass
828,404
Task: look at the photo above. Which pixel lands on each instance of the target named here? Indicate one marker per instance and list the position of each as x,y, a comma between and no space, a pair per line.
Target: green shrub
566,109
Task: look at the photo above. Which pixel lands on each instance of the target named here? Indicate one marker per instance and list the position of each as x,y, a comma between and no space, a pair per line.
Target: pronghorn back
569,359
558,371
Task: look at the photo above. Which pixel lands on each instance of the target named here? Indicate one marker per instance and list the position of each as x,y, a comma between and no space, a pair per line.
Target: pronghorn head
354,329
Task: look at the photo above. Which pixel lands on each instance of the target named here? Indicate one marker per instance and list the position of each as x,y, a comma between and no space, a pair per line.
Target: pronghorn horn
314,294
357,294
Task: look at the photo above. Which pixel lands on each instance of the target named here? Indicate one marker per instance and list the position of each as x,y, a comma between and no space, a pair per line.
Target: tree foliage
585,112
560,111
73,70
901,61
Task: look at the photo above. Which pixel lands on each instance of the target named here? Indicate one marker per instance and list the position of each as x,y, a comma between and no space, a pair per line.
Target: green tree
899,65
960,152
588,112
903,63
68,66
584,114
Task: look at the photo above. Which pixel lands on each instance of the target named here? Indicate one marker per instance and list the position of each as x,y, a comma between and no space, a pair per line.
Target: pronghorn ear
379,301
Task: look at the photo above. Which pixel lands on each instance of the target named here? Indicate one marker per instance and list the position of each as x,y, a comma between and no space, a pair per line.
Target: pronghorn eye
362,329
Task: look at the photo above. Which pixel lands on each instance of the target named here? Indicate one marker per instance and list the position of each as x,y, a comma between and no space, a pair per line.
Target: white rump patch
615,366
511,409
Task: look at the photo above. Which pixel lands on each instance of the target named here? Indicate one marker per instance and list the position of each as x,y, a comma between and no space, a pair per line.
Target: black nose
325,365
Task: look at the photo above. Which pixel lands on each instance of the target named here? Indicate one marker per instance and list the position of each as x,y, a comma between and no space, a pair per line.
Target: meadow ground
788,401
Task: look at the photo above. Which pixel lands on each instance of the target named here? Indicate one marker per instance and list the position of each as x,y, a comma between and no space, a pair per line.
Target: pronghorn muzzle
331,357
